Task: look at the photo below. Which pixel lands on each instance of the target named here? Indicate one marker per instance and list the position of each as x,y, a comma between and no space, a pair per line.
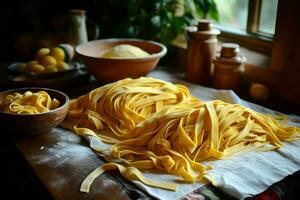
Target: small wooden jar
202,47
228,67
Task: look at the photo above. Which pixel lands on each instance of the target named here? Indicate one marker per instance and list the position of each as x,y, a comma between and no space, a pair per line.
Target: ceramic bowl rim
150,57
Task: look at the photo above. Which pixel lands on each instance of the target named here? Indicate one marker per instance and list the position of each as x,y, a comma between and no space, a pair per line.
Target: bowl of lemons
53,61
113,59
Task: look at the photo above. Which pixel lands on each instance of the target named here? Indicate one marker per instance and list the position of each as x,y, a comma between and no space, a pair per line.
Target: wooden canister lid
205,25
229,50
204,29
229,54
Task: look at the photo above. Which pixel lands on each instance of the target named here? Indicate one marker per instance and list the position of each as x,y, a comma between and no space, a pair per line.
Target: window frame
283,73
252,38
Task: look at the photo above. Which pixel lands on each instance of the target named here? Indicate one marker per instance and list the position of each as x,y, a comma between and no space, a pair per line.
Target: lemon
36,68
33,62
48,60
42,53
69,51
51,68
61,66
58,53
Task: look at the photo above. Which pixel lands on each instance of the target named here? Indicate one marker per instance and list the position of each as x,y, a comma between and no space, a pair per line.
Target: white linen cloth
240,176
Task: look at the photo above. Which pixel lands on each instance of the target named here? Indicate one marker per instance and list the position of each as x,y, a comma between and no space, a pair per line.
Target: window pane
268,16
233,13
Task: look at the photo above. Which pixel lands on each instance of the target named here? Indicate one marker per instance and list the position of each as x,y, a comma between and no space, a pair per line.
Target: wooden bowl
108,70
32,124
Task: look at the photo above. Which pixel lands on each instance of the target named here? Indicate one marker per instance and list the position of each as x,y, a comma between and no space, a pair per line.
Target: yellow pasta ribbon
158,126
29,103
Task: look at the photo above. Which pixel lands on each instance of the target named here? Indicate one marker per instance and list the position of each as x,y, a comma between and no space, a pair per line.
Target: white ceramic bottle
77,30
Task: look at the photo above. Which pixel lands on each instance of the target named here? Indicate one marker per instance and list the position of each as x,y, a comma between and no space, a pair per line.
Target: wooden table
61,160
53,165
57,162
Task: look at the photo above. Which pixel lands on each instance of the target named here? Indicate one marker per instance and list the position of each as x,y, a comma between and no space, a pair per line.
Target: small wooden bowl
32,124
108,70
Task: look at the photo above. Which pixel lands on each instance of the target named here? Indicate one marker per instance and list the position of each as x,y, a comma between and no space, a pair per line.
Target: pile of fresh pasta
153,125
29,103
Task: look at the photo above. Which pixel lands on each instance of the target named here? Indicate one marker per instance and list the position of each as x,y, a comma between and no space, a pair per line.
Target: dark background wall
29,24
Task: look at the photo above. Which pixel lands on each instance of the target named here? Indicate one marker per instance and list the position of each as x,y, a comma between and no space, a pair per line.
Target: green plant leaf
199,11
204,6
213,11
156,20
178,24
188,19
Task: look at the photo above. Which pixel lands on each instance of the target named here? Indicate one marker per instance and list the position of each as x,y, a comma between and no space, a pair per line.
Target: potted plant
161,20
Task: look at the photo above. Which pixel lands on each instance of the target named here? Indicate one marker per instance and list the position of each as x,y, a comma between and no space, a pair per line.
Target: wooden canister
228,67
202,46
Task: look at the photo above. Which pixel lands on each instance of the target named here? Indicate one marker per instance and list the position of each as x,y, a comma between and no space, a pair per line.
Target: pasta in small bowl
31,111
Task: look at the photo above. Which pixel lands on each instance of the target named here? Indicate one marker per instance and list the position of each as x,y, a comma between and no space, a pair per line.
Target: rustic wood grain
61,160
